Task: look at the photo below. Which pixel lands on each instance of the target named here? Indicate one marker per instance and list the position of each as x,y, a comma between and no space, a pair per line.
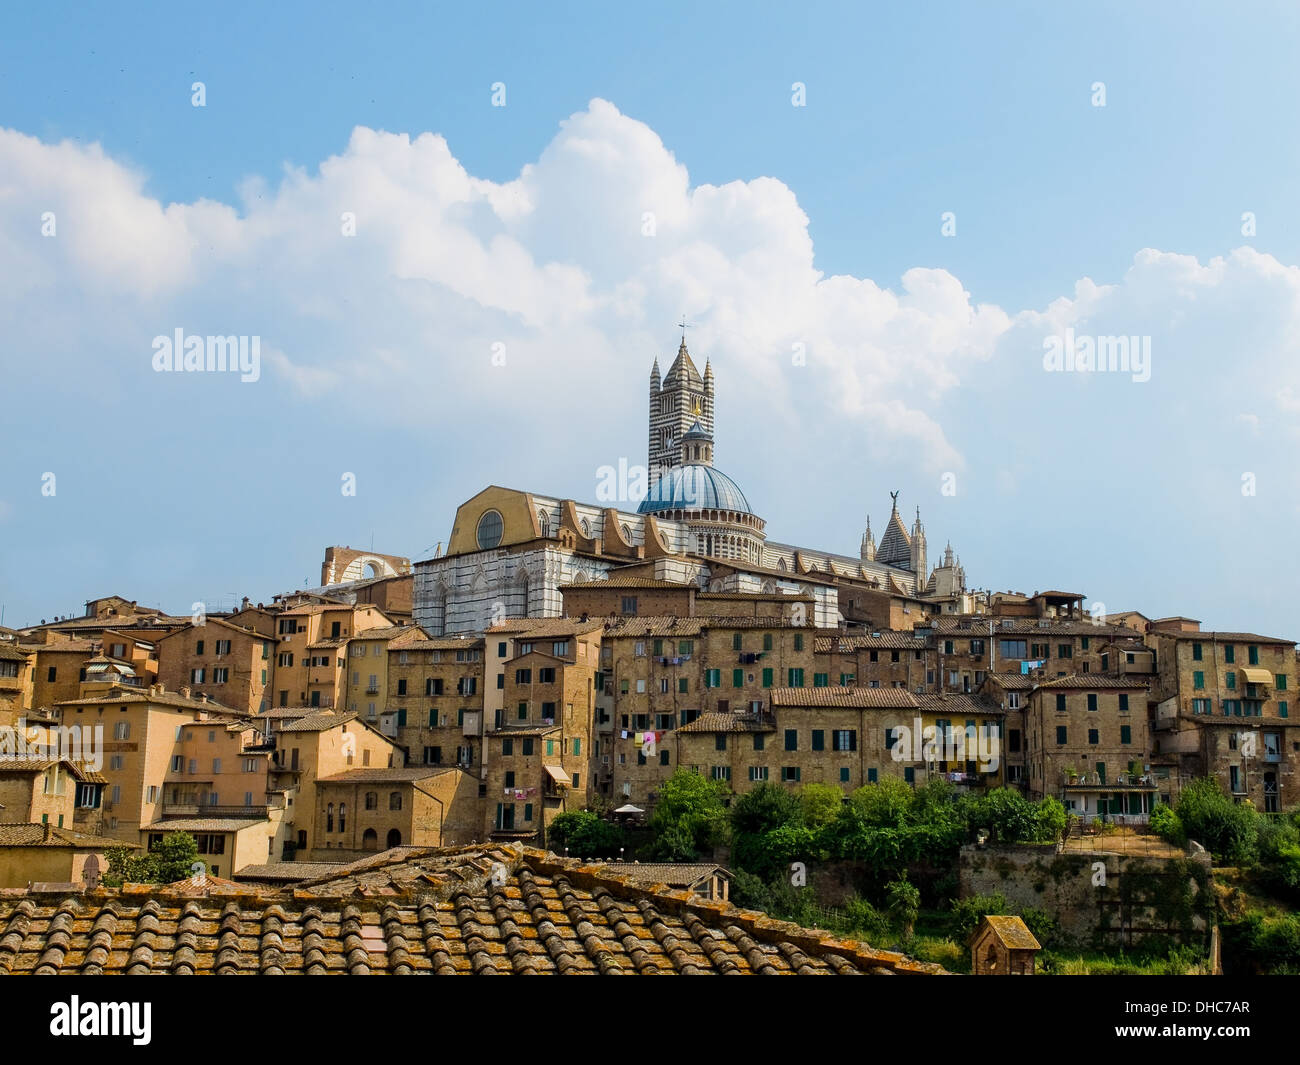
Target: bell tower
681,405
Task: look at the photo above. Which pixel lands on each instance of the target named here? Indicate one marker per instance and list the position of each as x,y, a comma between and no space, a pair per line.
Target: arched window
626,530
329,818
394,800
370,840
544,522
343,817
372,800
394,838
585,526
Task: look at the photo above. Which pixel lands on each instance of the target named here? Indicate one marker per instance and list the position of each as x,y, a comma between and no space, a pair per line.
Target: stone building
1087,744
231,664
1223,709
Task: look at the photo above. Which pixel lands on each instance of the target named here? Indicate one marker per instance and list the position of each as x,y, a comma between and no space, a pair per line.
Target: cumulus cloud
527,311
581,263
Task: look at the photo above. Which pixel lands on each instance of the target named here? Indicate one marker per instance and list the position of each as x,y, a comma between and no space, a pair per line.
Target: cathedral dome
694,487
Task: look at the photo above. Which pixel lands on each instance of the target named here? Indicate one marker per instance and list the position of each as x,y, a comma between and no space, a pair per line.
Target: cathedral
511,552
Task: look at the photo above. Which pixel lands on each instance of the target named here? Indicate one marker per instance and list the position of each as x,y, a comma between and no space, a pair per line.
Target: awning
558,775
629,809
1255,675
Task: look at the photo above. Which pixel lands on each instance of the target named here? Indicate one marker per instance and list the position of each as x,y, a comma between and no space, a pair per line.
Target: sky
460,237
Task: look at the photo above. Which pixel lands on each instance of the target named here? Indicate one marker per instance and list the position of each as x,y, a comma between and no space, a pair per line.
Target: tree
690,817
904,904
888,802
820,804
170,859
1228,830
586,834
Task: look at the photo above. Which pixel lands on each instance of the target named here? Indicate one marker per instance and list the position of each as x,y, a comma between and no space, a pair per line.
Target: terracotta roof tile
478,910
846,698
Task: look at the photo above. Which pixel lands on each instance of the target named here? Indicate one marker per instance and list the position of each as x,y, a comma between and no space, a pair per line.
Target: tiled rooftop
480,910
847,698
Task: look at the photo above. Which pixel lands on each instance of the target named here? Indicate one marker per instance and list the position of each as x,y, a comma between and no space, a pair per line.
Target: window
767,678
1012,648
1013,740
798,641
844,739
720,741
713,678
949,647
844,774
1198,678
1282,709
737,642
1061,736
629,604
490,528
1230,680
758,772
821,680
1013,700
394,800
1064,650
737,678
871,776
721,772
546,675
1123,703
909,775
1229,653
560,649
760,741
507,747
196,676
1281,682
523,676
818,740
767,641
791,739
1060,701
527,746
220,674
790,774
1093,737
1092,700
122,730
577,746
1125,734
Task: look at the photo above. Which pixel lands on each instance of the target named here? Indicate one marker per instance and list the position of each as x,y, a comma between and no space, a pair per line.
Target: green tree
689,819
903,904
1165,824
1228,830
820,804
170,859
586,834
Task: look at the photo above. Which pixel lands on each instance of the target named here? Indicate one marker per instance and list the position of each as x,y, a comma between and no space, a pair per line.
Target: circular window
490,528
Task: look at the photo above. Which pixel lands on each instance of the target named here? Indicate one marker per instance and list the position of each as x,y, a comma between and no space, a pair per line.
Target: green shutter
767,678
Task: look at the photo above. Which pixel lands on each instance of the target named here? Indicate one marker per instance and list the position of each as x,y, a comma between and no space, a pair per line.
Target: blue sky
172,490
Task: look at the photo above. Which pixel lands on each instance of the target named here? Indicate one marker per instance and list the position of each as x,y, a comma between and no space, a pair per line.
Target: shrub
1166,824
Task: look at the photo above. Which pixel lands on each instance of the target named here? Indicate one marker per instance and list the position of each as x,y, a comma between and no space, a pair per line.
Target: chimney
185,692
46,832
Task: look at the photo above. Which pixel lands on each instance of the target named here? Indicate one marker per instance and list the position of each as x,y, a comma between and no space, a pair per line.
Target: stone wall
1141,896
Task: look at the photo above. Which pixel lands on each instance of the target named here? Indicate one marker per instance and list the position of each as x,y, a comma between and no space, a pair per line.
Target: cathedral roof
694,487
895,546
683,371
697,432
